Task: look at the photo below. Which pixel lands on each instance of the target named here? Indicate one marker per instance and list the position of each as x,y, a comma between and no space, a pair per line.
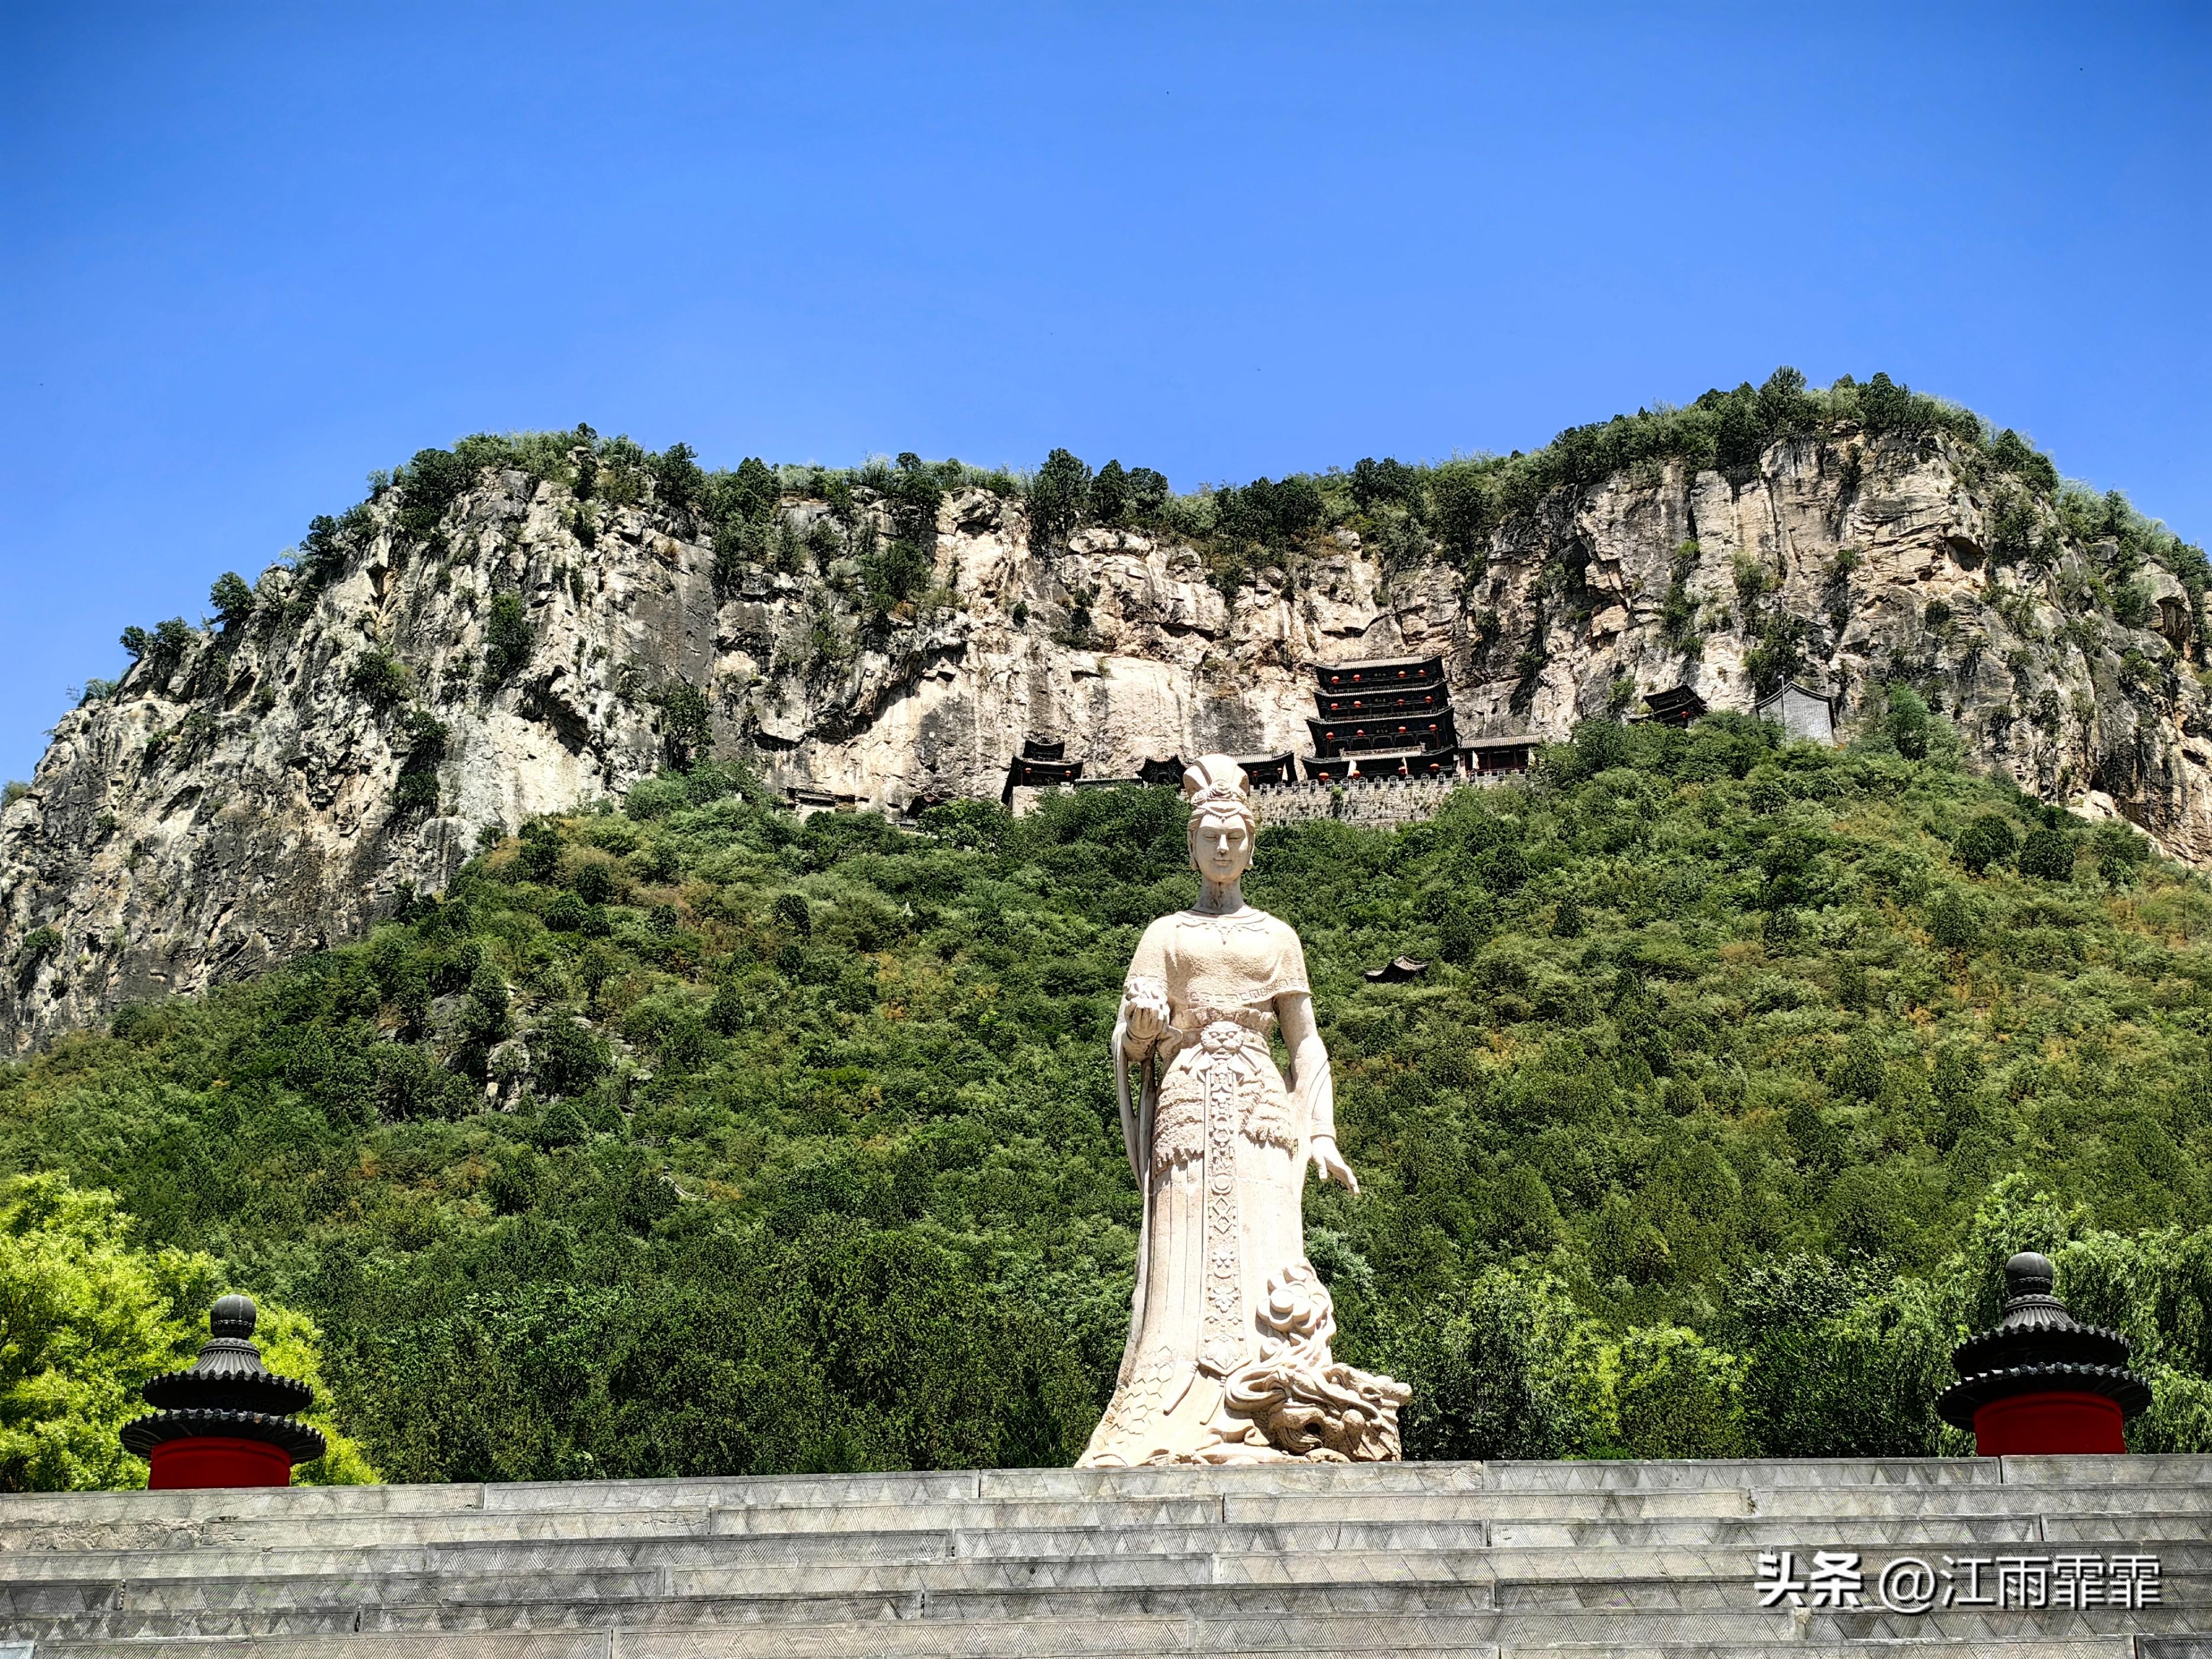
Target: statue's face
1220,848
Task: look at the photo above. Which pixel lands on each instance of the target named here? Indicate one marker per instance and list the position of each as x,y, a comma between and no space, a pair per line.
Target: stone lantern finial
227,1421
2039,1381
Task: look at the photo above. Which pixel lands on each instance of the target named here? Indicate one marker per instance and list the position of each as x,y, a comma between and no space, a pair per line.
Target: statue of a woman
1228,1358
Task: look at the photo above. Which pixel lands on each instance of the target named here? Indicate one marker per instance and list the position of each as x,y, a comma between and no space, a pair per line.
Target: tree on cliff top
1057,496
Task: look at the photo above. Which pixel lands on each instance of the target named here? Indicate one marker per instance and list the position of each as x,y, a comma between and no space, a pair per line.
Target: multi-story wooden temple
1392,717
1388,718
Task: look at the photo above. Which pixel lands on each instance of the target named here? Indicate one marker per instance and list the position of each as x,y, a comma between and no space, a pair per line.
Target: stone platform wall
1599,1561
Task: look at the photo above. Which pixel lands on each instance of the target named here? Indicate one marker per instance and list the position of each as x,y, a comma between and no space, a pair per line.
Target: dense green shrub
894,573
163,647
2011,453
508,639
1266,513
380,680
1463,512
1111,502
2048,854
567,1057
686,724
913,493
1507,1367
1384,483
415,795
428,484
323,551
421,737
741,506
751,492
1988,839
1907,724
1679,1397
679,482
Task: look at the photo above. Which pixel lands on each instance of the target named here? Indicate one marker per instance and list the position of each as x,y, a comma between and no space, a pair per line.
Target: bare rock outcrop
247,793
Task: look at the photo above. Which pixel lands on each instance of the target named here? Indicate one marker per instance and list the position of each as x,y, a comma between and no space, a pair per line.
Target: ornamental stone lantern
227,1421
2040,1381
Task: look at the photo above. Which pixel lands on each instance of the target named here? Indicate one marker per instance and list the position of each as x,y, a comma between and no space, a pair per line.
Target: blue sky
251,253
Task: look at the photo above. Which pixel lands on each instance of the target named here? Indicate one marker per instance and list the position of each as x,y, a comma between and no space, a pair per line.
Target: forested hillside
689,1137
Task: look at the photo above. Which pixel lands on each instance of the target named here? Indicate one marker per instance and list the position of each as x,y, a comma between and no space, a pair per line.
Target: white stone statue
1228,1359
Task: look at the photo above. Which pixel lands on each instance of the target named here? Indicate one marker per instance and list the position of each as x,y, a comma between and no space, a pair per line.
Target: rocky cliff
447,664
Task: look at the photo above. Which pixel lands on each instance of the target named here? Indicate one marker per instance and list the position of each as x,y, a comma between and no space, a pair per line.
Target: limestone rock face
268,788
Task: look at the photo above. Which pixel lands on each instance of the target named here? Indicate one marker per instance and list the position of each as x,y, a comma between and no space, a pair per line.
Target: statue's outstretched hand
1330,1163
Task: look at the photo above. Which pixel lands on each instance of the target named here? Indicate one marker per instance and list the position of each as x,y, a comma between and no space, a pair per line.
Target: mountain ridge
519,625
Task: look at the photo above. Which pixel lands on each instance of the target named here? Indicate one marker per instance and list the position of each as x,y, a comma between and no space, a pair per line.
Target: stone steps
602,1645
790,1492
618,1547
1602,1559
1166,1639
676,1512
703,1567
873,1537
1389,1584
705,1629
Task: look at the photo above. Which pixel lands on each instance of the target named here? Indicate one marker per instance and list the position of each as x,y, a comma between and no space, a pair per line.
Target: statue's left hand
1144,1013
1330,1163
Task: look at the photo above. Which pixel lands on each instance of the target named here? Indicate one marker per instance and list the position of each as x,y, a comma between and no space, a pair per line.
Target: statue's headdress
1215,783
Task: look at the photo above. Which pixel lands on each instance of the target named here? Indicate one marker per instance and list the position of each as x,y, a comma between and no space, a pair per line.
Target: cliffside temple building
1042,764
1389,717
1676,706
1392,717
1807,716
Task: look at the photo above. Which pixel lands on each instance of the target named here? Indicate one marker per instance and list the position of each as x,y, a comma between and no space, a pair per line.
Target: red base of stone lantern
2049,1424
208,1460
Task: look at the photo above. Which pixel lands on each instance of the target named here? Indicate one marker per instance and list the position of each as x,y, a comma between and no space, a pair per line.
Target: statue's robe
1218,1145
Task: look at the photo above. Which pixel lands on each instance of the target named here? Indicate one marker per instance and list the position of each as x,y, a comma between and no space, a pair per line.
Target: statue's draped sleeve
1148,971
1291,965
1317,1093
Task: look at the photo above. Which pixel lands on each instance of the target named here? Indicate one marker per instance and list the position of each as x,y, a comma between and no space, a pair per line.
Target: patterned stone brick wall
1372,802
